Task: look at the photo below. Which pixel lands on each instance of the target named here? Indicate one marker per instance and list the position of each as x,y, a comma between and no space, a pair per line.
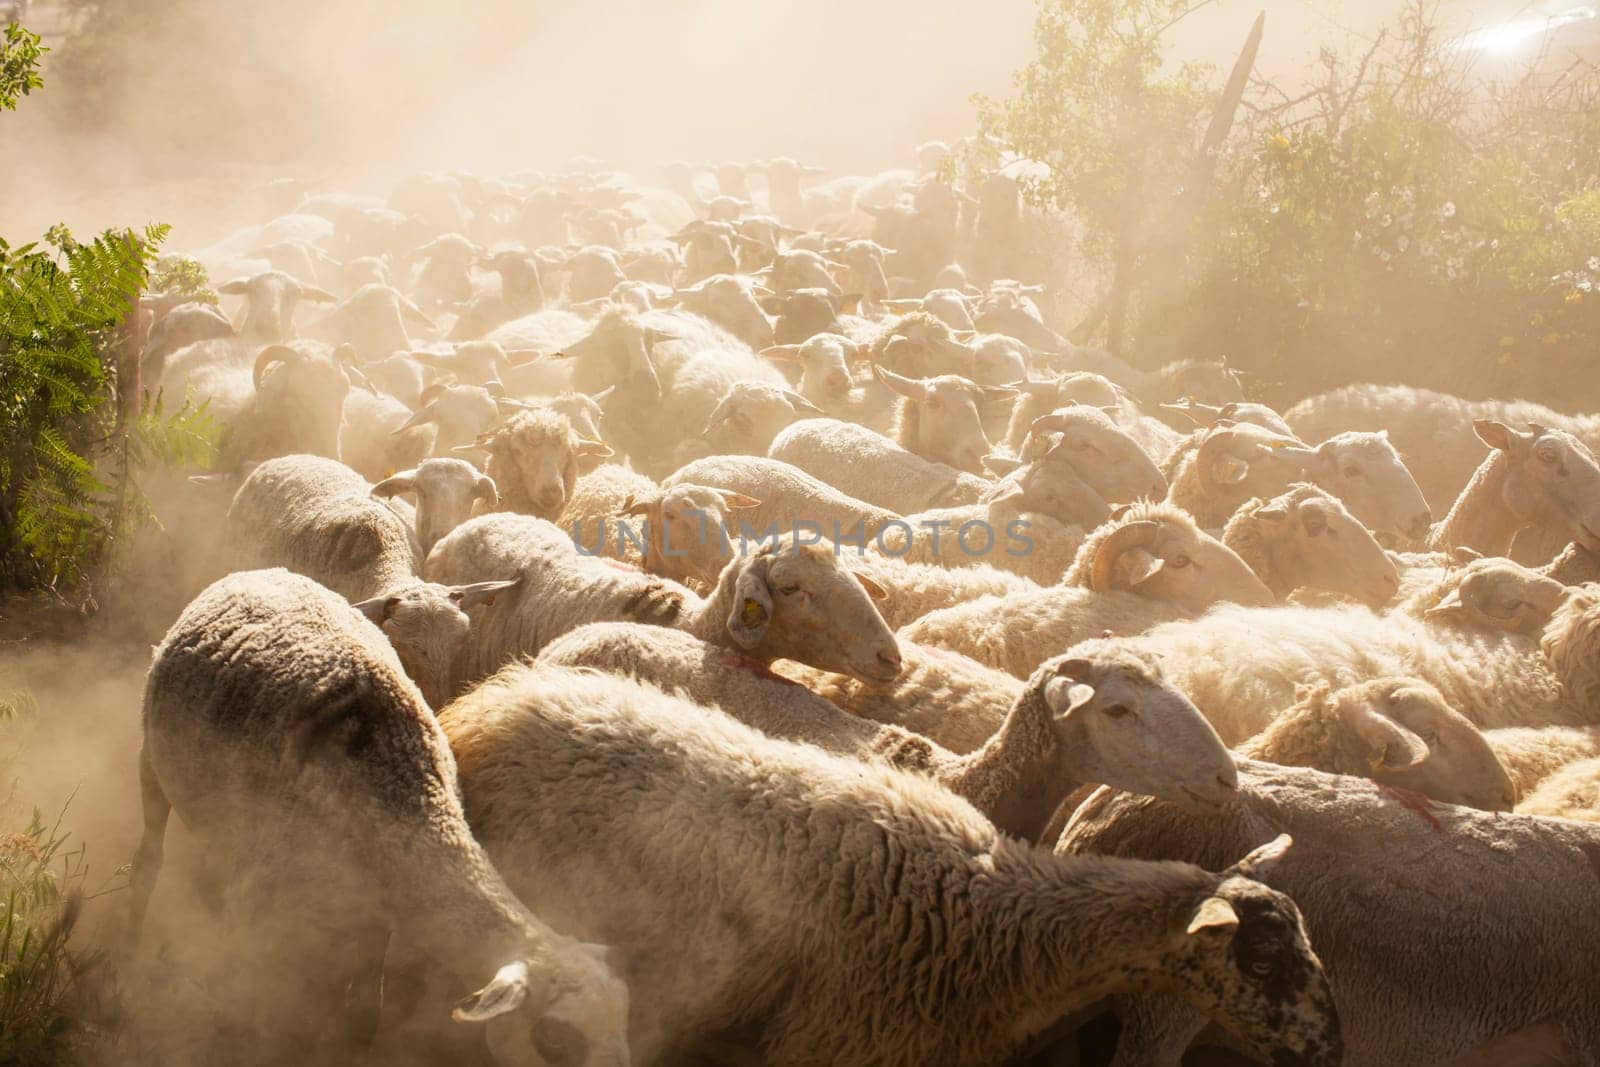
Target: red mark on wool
1413,802
618,564
740,662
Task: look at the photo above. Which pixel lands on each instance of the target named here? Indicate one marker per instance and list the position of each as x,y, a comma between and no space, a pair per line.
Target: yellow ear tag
752,614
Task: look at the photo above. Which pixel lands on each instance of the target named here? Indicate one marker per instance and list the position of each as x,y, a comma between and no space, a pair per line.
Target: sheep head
1402,732
1158,552
800,602
1305,538
446,491
427,625
1550,477
1117,722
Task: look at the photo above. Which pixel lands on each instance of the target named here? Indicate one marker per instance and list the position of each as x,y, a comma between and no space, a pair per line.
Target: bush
1405,220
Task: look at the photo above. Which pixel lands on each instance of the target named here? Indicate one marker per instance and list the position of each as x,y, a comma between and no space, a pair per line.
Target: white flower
1447,210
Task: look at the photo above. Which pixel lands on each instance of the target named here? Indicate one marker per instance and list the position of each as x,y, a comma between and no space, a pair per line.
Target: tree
63,309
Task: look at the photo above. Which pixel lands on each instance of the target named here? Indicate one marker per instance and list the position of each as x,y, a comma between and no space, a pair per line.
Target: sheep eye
1352,472
1178,561
789,590
1547,456
1118,711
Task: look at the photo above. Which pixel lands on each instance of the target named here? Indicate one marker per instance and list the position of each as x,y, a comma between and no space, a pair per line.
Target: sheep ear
1229,470
1495,434
1065,696
404,482
1260,862
999,465
752,607
234,287
505,993
1214,921
874,590
1273,513
592,448
737,501
1138,566
378,608
1387,745
1449,608
469,596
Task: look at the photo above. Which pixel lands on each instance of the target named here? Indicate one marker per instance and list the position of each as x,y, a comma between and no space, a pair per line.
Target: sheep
1419,910
180,327
1542,477
1396,731
521,293
1494,679
1365,471
1105,456
1109,721
805,856
371,441
789,497
914,589
1042,396
1002,533
271,298
1205,416
318,518
765,604
1573,565
1306,538
287,399
1149,565
729,301
678,533
1488,594
1433,430
459,414
427,625
373,320
279,725
1573,792
533,460
1531,754
873,468
824,360
750,414
1230,464
446,491
940,418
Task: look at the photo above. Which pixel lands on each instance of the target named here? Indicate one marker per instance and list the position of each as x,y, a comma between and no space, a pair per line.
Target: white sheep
1421,910
318,517
774,600
279,725
926,936
1306,538
1149,565
1241,665
1397,731
446,491
1107,721
1573,792
873,468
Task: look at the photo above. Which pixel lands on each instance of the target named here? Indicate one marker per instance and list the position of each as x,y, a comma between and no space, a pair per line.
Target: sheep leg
147,860
363,1000
1155,1030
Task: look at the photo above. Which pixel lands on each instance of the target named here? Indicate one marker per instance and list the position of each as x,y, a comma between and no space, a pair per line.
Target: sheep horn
270,355
484,489
1137,534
